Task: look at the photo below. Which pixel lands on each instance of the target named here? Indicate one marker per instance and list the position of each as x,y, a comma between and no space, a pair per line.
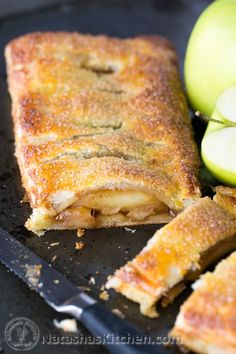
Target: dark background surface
105,249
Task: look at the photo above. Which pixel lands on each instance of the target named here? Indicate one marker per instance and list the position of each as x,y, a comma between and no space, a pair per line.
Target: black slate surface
105,249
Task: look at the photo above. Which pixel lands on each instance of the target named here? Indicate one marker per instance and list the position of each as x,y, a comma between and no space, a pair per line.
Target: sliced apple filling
102,208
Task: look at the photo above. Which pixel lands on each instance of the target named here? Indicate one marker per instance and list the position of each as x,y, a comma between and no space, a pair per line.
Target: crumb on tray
80,232
54,258
92,281
118,313
67,325
79,245
54,244
130,230
104,295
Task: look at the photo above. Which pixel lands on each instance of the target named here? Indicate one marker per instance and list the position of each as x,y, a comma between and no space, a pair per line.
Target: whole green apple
219,142
210,65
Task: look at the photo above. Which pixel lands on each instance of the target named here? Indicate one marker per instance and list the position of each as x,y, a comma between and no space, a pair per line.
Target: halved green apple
219,142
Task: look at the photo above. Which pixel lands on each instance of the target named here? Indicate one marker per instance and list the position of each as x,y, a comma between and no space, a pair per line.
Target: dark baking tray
106,249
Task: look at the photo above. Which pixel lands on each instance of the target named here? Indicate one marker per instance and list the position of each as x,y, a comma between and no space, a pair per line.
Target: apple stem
208,119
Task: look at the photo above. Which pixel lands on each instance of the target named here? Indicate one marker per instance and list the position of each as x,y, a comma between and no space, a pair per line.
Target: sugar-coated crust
207,320
92,112
226,198
172,253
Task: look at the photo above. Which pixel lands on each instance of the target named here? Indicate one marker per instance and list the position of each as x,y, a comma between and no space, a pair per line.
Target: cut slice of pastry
176,253
226,198
103,136
206,322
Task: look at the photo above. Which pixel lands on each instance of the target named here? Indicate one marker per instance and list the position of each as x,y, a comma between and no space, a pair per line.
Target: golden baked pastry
178,252
103,136
206,322
226,198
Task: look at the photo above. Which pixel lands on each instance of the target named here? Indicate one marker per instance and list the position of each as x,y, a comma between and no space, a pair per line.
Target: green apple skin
210,64
226,176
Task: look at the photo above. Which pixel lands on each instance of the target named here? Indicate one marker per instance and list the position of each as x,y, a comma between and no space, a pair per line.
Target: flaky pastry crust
226,198
207,320
93,113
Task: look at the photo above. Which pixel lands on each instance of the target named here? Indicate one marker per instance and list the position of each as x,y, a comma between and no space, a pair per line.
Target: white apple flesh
219,142
219,154
226,104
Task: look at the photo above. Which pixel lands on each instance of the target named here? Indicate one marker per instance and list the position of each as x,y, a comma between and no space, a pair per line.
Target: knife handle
103,323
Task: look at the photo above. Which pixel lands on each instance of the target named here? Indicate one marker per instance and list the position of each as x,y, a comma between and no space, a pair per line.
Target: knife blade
65,297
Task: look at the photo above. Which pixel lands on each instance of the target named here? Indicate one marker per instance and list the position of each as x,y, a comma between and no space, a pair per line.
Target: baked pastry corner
206,322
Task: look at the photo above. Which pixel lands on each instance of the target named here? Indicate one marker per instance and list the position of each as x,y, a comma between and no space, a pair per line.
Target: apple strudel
102,132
